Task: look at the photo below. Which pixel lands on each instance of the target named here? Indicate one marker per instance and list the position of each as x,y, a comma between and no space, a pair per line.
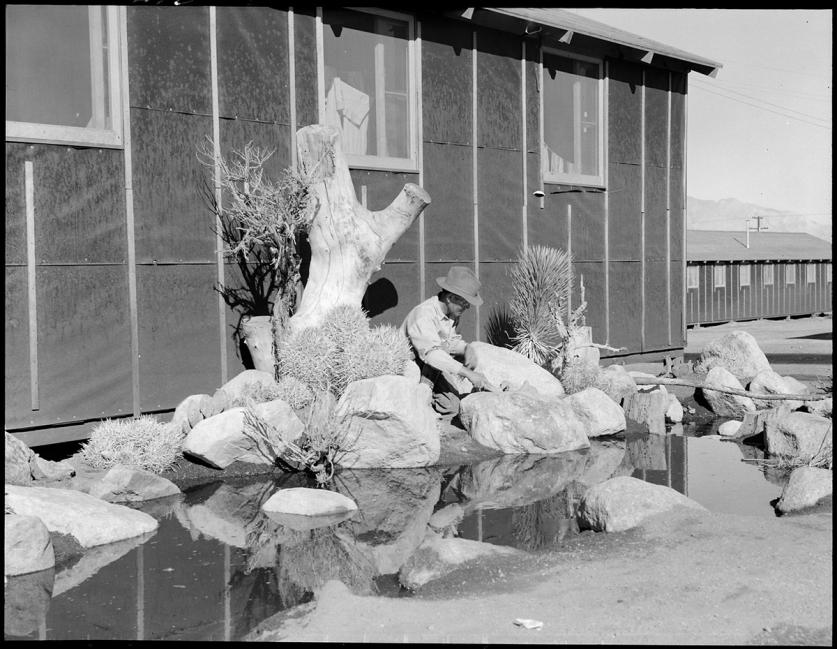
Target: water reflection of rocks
275,565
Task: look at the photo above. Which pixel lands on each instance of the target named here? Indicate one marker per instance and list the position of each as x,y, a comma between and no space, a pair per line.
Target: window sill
62,135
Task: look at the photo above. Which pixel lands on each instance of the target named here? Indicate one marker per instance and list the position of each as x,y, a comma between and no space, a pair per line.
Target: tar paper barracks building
111,255
750,275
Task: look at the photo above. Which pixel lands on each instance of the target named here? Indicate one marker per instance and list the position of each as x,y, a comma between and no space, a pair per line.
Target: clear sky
761,130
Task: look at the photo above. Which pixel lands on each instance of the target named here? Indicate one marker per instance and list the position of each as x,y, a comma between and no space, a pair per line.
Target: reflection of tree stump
348,242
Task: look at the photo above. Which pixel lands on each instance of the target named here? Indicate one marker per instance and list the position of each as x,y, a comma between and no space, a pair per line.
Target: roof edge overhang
562,26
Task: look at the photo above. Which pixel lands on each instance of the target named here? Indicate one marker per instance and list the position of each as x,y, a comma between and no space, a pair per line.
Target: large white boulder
437,556
806,486
725,404
516,422
26,545
90,520
624,502
130,484
189,412
504,366
389,423
221,440
770,382
602,414
798,435
738,353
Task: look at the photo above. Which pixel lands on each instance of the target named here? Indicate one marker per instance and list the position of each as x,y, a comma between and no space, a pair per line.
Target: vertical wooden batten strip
216,150
668,208
474,167
523,147
642,217
419,143
683,207
541,153
31,282
318,32
129,209
605,163
292,83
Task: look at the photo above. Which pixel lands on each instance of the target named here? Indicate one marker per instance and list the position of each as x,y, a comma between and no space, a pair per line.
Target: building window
692,277
369,82
811,273
744,275
828,273
62,75
767,274
720,276
790,273
573,120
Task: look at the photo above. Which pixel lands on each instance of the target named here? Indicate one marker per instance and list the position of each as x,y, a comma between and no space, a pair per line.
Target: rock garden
336,396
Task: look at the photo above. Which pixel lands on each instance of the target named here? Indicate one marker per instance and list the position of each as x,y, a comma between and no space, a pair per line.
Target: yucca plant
542,281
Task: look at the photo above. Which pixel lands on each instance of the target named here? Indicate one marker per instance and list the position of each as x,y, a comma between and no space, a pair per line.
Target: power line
704,85
774,90
735,99
768,67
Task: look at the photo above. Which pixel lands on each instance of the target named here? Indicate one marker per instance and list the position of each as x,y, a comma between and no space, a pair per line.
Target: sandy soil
684,578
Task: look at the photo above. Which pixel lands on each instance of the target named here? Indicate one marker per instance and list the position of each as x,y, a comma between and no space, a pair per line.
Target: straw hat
462,282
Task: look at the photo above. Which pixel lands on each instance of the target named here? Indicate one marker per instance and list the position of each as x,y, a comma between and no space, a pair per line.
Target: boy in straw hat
431,330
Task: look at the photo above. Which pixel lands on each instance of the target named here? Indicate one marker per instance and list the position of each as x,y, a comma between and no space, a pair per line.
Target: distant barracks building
779,274
525,126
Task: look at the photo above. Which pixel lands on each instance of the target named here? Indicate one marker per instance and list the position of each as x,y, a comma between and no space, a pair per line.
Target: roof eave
516,20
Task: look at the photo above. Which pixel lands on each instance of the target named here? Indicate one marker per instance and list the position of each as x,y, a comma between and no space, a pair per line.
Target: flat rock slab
303,501
128,484
90,520
621,503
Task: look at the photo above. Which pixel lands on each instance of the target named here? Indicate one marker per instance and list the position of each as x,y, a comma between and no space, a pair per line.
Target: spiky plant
143,443
345,324
382,350
307,355
541,284
294,392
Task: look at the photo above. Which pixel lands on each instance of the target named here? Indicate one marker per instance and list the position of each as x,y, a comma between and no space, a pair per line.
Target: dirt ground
684,578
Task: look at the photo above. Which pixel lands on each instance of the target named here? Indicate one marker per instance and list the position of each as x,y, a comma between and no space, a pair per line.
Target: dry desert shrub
142,443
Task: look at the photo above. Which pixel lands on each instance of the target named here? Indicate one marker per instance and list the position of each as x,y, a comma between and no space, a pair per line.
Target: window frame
112,138
790,277
764,279
741,282
811,273
692,273
583,180
375,162
723,282
828,273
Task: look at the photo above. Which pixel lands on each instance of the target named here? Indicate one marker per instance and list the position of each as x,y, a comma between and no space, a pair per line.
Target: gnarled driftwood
348,242
647,380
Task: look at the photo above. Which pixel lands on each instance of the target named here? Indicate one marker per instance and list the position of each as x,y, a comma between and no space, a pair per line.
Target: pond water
217,566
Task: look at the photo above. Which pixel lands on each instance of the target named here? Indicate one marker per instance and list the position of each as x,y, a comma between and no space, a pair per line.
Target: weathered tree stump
348,242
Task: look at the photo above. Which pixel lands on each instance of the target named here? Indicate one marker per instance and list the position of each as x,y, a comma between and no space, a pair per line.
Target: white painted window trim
374,162
78,135
790,274
692,277
744,270
719,271
811,273
765,268
576,179
828,273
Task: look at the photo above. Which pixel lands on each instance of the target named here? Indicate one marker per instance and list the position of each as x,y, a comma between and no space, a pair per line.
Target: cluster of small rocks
795,431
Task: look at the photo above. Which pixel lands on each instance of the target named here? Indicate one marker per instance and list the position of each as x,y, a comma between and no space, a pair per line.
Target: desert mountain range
729,214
